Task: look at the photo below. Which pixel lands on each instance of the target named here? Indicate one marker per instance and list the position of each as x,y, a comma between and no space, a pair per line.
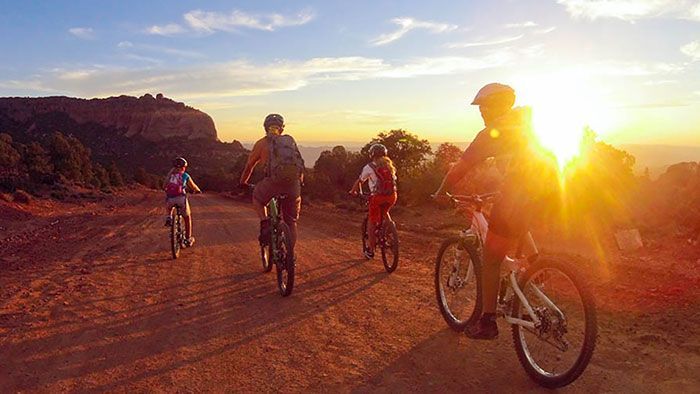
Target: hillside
136,134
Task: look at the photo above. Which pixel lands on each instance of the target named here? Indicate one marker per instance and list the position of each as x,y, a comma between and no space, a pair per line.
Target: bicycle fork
535,322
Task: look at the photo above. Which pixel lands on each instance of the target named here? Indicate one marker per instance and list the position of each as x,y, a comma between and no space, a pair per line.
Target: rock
153,118
628,239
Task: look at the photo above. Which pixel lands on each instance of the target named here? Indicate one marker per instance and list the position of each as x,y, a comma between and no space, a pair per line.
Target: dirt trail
95,303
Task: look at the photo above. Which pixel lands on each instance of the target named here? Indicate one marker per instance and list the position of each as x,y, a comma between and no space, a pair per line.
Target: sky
346,70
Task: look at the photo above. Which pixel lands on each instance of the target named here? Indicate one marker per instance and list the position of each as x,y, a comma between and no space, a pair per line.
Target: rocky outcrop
152,118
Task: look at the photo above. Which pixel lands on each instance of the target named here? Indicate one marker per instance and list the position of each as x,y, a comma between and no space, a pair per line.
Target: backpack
175,185
285,163
386,182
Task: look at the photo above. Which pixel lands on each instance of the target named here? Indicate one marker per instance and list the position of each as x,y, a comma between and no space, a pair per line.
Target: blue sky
342,71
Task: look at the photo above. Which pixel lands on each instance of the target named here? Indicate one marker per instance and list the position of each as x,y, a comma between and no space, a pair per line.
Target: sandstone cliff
152,118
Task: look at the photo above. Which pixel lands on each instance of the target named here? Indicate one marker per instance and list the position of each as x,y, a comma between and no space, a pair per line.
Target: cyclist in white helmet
529,184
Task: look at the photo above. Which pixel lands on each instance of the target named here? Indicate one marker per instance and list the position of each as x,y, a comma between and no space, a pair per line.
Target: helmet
273,120
180,162
377,150
495,94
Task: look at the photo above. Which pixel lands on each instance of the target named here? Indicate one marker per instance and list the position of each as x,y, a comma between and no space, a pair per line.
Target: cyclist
284,174
176,183
380,173
530,180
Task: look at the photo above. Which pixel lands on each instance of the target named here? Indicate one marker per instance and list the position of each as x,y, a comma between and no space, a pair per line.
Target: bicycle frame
273,213
476,234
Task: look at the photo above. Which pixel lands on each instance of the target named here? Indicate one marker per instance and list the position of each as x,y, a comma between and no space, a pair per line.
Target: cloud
207,22
497,41
212,21
692,49
520,25
632,10
408,24
85,33
244,78
166,30
128,45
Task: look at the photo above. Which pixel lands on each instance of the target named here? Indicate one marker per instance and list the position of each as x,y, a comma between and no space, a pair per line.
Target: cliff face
152,118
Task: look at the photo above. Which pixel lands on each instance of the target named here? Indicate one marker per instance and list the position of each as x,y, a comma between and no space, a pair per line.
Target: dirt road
95,303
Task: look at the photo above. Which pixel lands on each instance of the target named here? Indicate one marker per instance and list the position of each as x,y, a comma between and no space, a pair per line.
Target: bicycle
177,233
279,250
386,236
547,302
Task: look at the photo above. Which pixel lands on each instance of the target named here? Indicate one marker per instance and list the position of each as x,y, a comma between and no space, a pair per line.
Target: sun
562,107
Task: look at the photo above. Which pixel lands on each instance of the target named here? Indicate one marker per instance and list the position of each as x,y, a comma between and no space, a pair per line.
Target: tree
64,158
115,176
101,175
445,155
37,162
9,157
406,150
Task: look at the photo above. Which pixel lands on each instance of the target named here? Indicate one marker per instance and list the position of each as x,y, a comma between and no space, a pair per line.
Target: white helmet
495,93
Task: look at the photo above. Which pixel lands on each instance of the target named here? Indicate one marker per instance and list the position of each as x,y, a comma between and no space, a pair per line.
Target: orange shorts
379,204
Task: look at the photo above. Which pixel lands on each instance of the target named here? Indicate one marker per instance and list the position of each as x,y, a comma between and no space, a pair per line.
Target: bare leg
293,232
494,251
188,226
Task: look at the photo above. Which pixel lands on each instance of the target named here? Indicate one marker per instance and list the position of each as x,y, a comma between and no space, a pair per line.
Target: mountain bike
386,236
279,250
548,304
177,232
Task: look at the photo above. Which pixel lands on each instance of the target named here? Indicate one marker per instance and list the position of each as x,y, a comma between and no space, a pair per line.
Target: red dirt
91,301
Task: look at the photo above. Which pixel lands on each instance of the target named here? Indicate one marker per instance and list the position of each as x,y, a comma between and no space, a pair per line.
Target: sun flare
562,107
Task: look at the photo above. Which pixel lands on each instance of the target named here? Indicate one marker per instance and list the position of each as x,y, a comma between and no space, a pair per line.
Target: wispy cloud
85,33
632,10
157,49
497,41
520,25
166,30
244,78
406,25
692,49
207,22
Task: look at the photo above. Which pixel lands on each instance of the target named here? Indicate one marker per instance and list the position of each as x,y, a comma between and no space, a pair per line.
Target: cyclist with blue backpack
175,187
284,174
380,174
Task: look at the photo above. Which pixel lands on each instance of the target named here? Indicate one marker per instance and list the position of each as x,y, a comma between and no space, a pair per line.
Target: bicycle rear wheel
558,351
285,262
457,283
390,246
174,233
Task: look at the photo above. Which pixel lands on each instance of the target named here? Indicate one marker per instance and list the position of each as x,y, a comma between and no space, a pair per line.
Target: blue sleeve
185,177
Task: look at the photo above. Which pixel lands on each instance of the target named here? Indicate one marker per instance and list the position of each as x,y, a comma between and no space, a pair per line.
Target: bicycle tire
456,323
590,335
174,236
265,253
365,237
285,265
389,231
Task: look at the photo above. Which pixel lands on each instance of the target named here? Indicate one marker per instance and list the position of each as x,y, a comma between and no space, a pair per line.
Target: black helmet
377,150
273,120
180,162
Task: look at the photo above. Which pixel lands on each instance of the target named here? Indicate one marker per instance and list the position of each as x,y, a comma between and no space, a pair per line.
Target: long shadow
229,311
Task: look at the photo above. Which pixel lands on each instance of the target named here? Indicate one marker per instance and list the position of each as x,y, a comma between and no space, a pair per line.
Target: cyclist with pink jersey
176,183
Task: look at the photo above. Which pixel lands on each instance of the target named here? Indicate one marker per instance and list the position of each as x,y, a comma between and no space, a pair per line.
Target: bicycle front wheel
557,351
390,246
285,260
174,233
457,283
